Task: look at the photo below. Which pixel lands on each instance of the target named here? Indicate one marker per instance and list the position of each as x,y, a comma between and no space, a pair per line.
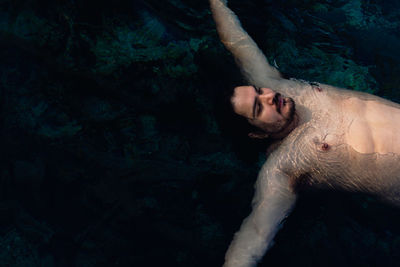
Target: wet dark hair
236,128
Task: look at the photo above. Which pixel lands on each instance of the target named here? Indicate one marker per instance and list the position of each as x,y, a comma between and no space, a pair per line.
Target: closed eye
259,109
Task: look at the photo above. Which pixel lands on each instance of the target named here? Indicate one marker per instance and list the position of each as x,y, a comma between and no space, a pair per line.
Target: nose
267,97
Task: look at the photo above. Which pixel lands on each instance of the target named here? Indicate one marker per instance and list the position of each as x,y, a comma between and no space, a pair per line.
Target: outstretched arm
252,62
273,201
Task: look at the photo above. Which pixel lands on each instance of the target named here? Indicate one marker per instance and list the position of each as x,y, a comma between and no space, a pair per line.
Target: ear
258,135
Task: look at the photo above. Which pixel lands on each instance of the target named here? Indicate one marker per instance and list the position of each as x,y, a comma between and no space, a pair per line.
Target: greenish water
119,147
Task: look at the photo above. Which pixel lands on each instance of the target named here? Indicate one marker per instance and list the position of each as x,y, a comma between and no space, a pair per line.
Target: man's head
265,109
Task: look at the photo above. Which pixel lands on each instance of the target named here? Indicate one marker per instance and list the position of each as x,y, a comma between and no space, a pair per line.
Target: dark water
119,147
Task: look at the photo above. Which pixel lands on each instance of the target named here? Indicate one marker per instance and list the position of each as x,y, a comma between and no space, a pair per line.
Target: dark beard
291,110
282,125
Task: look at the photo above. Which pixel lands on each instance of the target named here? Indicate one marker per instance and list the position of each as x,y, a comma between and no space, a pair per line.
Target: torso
350,142
373,127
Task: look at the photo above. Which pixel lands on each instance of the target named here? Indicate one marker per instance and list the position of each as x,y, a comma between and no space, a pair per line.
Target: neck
288,129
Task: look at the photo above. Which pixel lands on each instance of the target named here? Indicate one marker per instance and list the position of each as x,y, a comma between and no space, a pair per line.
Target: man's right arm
251,60
273,200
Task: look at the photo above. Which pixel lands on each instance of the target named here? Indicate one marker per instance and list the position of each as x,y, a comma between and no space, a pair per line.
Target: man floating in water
329,138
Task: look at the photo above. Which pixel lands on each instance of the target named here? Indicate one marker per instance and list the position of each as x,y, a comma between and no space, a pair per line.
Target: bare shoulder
294,155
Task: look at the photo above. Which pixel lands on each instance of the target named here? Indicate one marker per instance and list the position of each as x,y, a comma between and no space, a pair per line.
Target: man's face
263,108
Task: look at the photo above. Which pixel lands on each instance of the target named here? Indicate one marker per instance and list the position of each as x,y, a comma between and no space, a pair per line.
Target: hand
224,2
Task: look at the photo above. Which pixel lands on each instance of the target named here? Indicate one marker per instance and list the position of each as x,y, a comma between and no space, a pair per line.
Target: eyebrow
257,89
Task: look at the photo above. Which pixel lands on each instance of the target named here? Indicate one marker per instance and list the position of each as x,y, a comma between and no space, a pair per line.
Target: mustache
276,98
276,101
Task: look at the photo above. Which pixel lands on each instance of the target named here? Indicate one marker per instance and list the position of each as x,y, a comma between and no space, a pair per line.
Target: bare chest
331,161
352,144
371,126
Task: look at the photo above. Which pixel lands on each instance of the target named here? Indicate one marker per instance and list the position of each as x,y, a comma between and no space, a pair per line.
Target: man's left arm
273,201
249,57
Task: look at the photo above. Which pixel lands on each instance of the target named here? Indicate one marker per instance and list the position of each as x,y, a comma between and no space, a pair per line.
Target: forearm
273,202
247,248
249,57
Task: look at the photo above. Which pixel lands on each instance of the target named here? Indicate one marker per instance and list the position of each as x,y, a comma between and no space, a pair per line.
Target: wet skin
338,139
264,108
344,140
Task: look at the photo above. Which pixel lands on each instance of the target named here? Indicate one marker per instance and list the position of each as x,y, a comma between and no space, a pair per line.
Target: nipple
324,146
321,146
316,86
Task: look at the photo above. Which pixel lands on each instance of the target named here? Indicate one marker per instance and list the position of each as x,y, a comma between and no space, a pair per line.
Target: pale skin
336,139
